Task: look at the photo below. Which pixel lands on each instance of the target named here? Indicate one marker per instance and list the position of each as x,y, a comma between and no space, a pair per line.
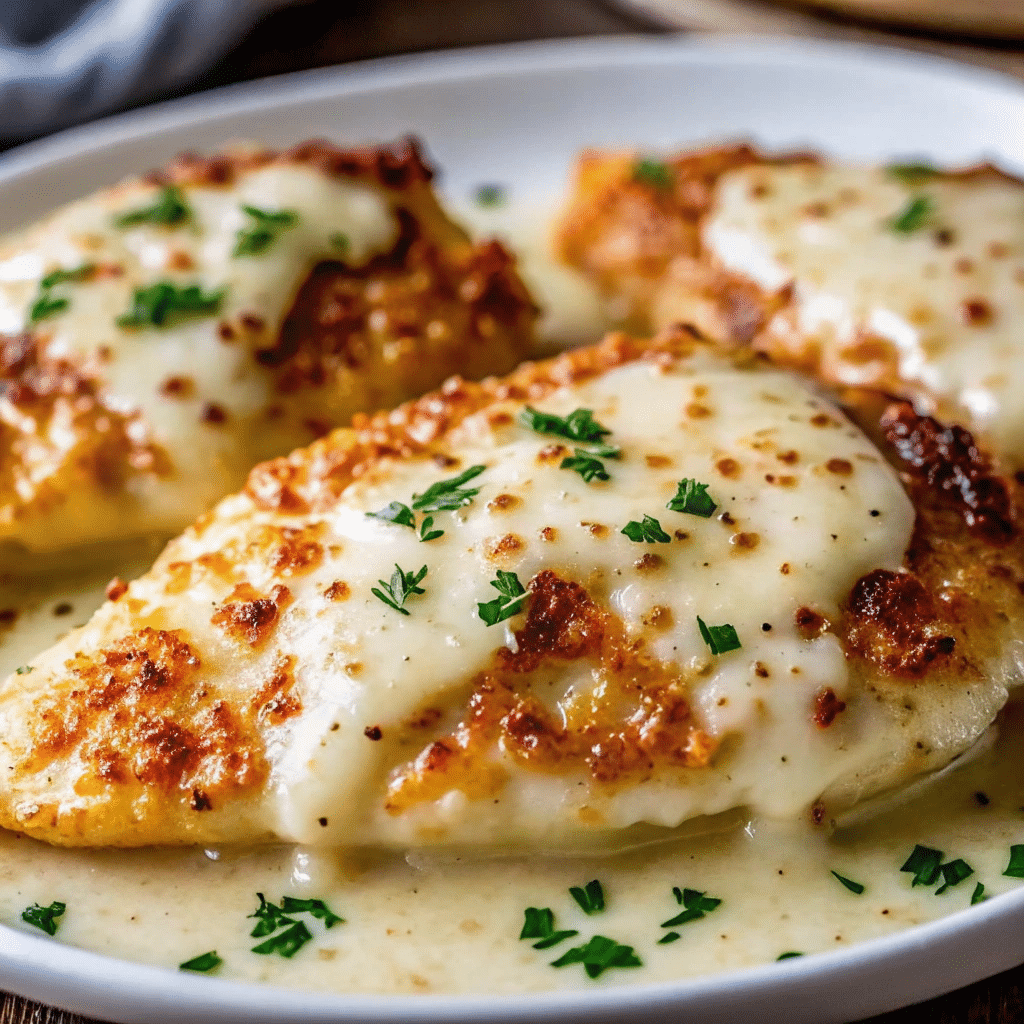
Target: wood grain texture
324,32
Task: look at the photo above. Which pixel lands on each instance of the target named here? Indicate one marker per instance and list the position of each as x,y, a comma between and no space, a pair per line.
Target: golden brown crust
636,719
314,478
139,714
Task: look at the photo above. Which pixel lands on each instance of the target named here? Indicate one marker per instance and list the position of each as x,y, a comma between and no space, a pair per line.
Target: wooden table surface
318,33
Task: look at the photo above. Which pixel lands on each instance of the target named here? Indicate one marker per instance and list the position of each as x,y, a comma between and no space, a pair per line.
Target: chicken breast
902,277
159,338
634,584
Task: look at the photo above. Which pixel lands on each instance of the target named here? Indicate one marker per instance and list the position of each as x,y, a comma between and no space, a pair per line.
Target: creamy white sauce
450,922
433,923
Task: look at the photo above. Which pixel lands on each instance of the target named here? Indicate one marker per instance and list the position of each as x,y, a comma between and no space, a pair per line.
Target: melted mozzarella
207,459
946,298
790,532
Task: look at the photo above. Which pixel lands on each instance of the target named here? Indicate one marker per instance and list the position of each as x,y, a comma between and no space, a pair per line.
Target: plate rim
95,983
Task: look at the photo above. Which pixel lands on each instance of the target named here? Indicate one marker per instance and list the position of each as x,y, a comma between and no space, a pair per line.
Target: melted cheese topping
806,507
207,459
945,299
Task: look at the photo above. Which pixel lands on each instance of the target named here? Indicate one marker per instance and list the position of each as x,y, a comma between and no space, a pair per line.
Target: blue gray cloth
64,61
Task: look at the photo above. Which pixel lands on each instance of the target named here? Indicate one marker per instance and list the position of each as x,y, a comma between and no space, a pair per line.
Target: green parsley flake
914,216
340,241
579,425
599,955
45,305
693,498
44,918
448,495
539,923
262,233
513,594
978,896
913,173
788,956
696,904
396,513
590,897
1015,869
202,964
402,515
925,864
669,937
854,887
490,195
587,462
286,943
953,873
721,639
647,532
170,208
317,908
402,586
653,172
24,670
163,302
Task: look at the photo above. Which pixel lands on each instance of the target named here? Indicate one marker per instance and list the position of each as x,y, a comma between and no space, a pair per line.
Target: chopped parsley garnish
396,513
402,515
170,208
426,531
262,233
402,586
45,305
978,896
590,897
340,241
204,963
599,955
696,904
163,302
668,937
912,173
913,216
513,594
587,462
448,495
61,276
653,172
648,531
44,918
23,670
579,425
291,935
925,864
286,943
490,194
953,873
318,909
788,956
693,498
854,887
540,924
721,639
1015,869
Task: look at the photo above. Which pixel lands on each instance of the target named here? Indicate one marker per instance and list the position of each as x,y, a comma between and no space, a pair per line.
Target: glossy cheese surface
934,301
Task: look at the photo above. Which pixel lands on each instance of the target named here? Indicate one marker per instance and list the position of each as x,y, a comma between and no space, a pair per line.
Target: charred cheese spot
248,618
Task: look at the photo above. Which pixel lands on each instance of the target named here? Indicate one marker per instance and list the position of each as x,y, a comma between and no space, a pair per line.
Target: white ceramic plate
518,115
